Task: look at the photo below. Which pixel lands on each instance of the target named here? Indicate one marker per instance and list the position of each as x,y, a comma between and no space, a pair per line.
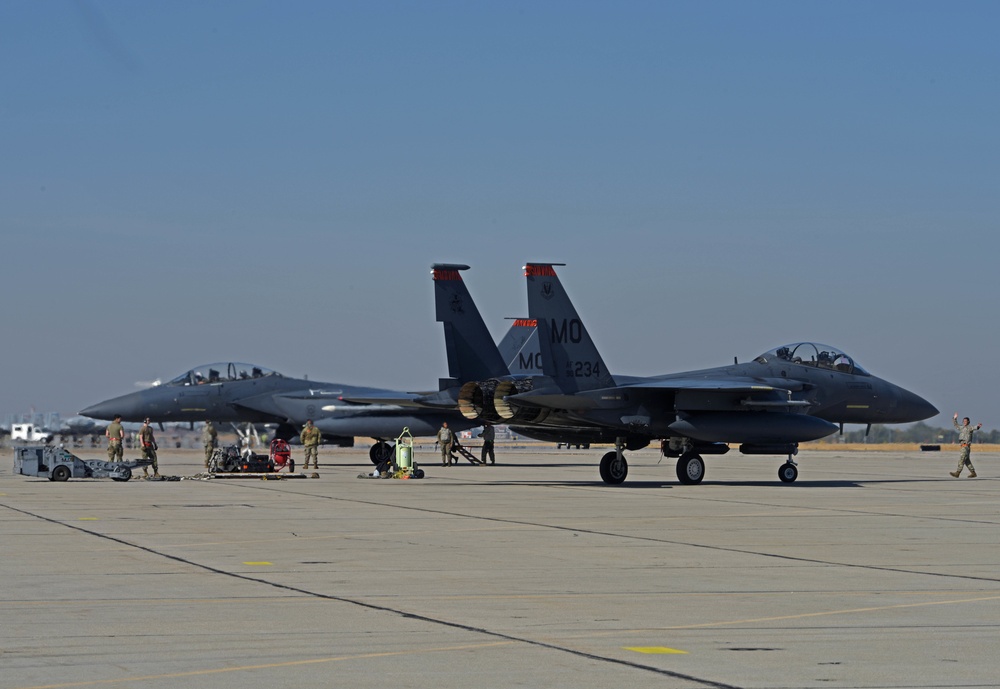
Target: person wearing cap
965,432
148,443
210,439
311,438
116,439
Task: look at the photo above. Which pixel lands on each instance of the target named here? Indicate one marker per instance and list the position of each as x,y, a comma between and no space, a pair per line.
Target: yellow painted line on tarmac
848,611
781,618
258,564
348,536
268,666
653,649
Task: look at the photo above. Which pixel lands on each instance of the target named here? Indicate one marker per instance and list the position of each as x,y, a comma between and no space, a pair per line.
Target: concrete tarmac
872,570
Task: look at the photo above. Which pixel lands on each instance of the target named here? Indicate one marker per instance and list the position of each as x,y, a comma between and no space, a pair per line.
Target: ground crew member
445,437
488,435
148,443
965,432
311,438
116,437
210,439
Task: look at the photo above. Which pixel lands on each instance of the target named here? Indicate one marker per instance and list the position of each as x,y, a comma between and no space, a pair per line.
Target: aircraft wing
708,384
414,400
401,398
680,393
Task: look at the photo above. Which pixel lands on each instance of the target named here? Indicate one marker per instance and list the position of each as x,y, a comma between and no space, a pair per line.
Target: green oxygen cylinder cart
404,451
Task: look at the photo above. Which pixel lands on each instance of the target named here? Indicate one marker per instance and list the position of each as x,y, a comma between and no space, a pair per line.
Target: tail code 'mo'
568,353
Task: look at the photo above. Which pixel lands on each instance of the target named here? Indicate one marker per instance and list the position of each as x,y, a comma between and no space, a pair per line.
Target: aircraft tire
613,472
788,472
380,452
61,473
126,475
690,469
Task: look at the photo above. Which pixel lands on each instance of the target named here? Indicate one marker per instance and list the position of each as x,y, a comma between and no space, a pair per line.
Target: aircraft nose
914,407
101,410
125,405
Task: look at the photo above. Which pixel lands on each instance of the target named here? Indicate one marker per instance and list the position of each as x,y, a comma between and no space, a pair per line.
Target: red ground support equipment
281,455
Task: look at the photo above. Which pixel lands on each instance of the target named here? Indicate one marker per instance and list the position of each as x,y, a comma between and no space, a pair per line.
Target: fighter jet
241,393
788,395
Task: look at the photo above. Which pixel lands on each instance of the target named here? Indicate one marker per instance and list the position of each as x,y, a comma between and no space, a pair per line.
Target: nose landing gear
788,471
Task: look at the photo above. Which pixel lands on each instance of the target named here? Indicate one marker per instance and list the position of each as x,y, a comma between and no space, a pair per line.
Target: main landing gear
380,452
614,468
690,465
690,468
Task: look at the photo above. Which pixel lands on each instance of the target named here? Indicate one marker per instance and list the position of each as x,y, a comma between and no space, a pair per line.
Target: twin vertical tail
569,355
472,354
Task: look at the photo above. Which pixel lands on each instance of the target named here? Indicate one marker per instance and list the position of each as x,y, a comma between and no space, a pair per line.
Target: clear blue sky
189,182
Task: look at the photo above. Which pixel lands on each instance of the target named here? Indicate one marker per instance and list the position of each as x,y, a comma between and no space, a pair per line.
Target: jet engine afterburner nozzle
508,412
475,401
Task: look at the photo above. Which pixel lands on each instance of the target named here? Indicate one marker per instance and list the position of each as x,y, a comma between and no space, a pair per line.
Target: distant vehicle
30,433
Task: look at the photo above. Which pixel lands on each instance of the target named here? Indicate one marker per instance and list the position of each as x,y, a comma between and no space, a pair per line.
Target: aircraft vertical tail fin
569,355
472,354
519,348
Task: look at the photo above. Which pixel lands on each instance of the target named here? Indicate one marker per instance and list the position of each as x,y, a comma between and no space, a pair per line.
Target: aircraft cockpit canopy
222,373
813,354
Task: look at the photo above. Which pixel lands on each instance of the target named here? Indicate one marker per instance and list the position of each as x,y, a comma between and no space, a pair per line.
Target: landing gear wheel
61,473
613,470
126,474
788,472
690,469
380,452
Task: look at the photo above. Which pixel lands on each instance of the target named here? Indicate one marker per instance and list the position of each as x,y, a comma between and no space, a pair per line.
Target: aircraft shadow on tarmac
666,483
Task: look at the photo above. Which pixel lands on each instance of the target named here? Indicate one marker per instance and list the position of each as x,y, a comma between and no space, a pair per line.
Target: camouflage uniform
965,440
148,443
445,437
488,436
116,437
311,438
210,439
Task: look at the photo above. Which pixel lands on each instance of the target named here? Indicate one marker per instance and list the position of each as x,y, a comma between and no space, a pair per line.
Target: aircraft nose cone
924,409
914,407
101,410
129,406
